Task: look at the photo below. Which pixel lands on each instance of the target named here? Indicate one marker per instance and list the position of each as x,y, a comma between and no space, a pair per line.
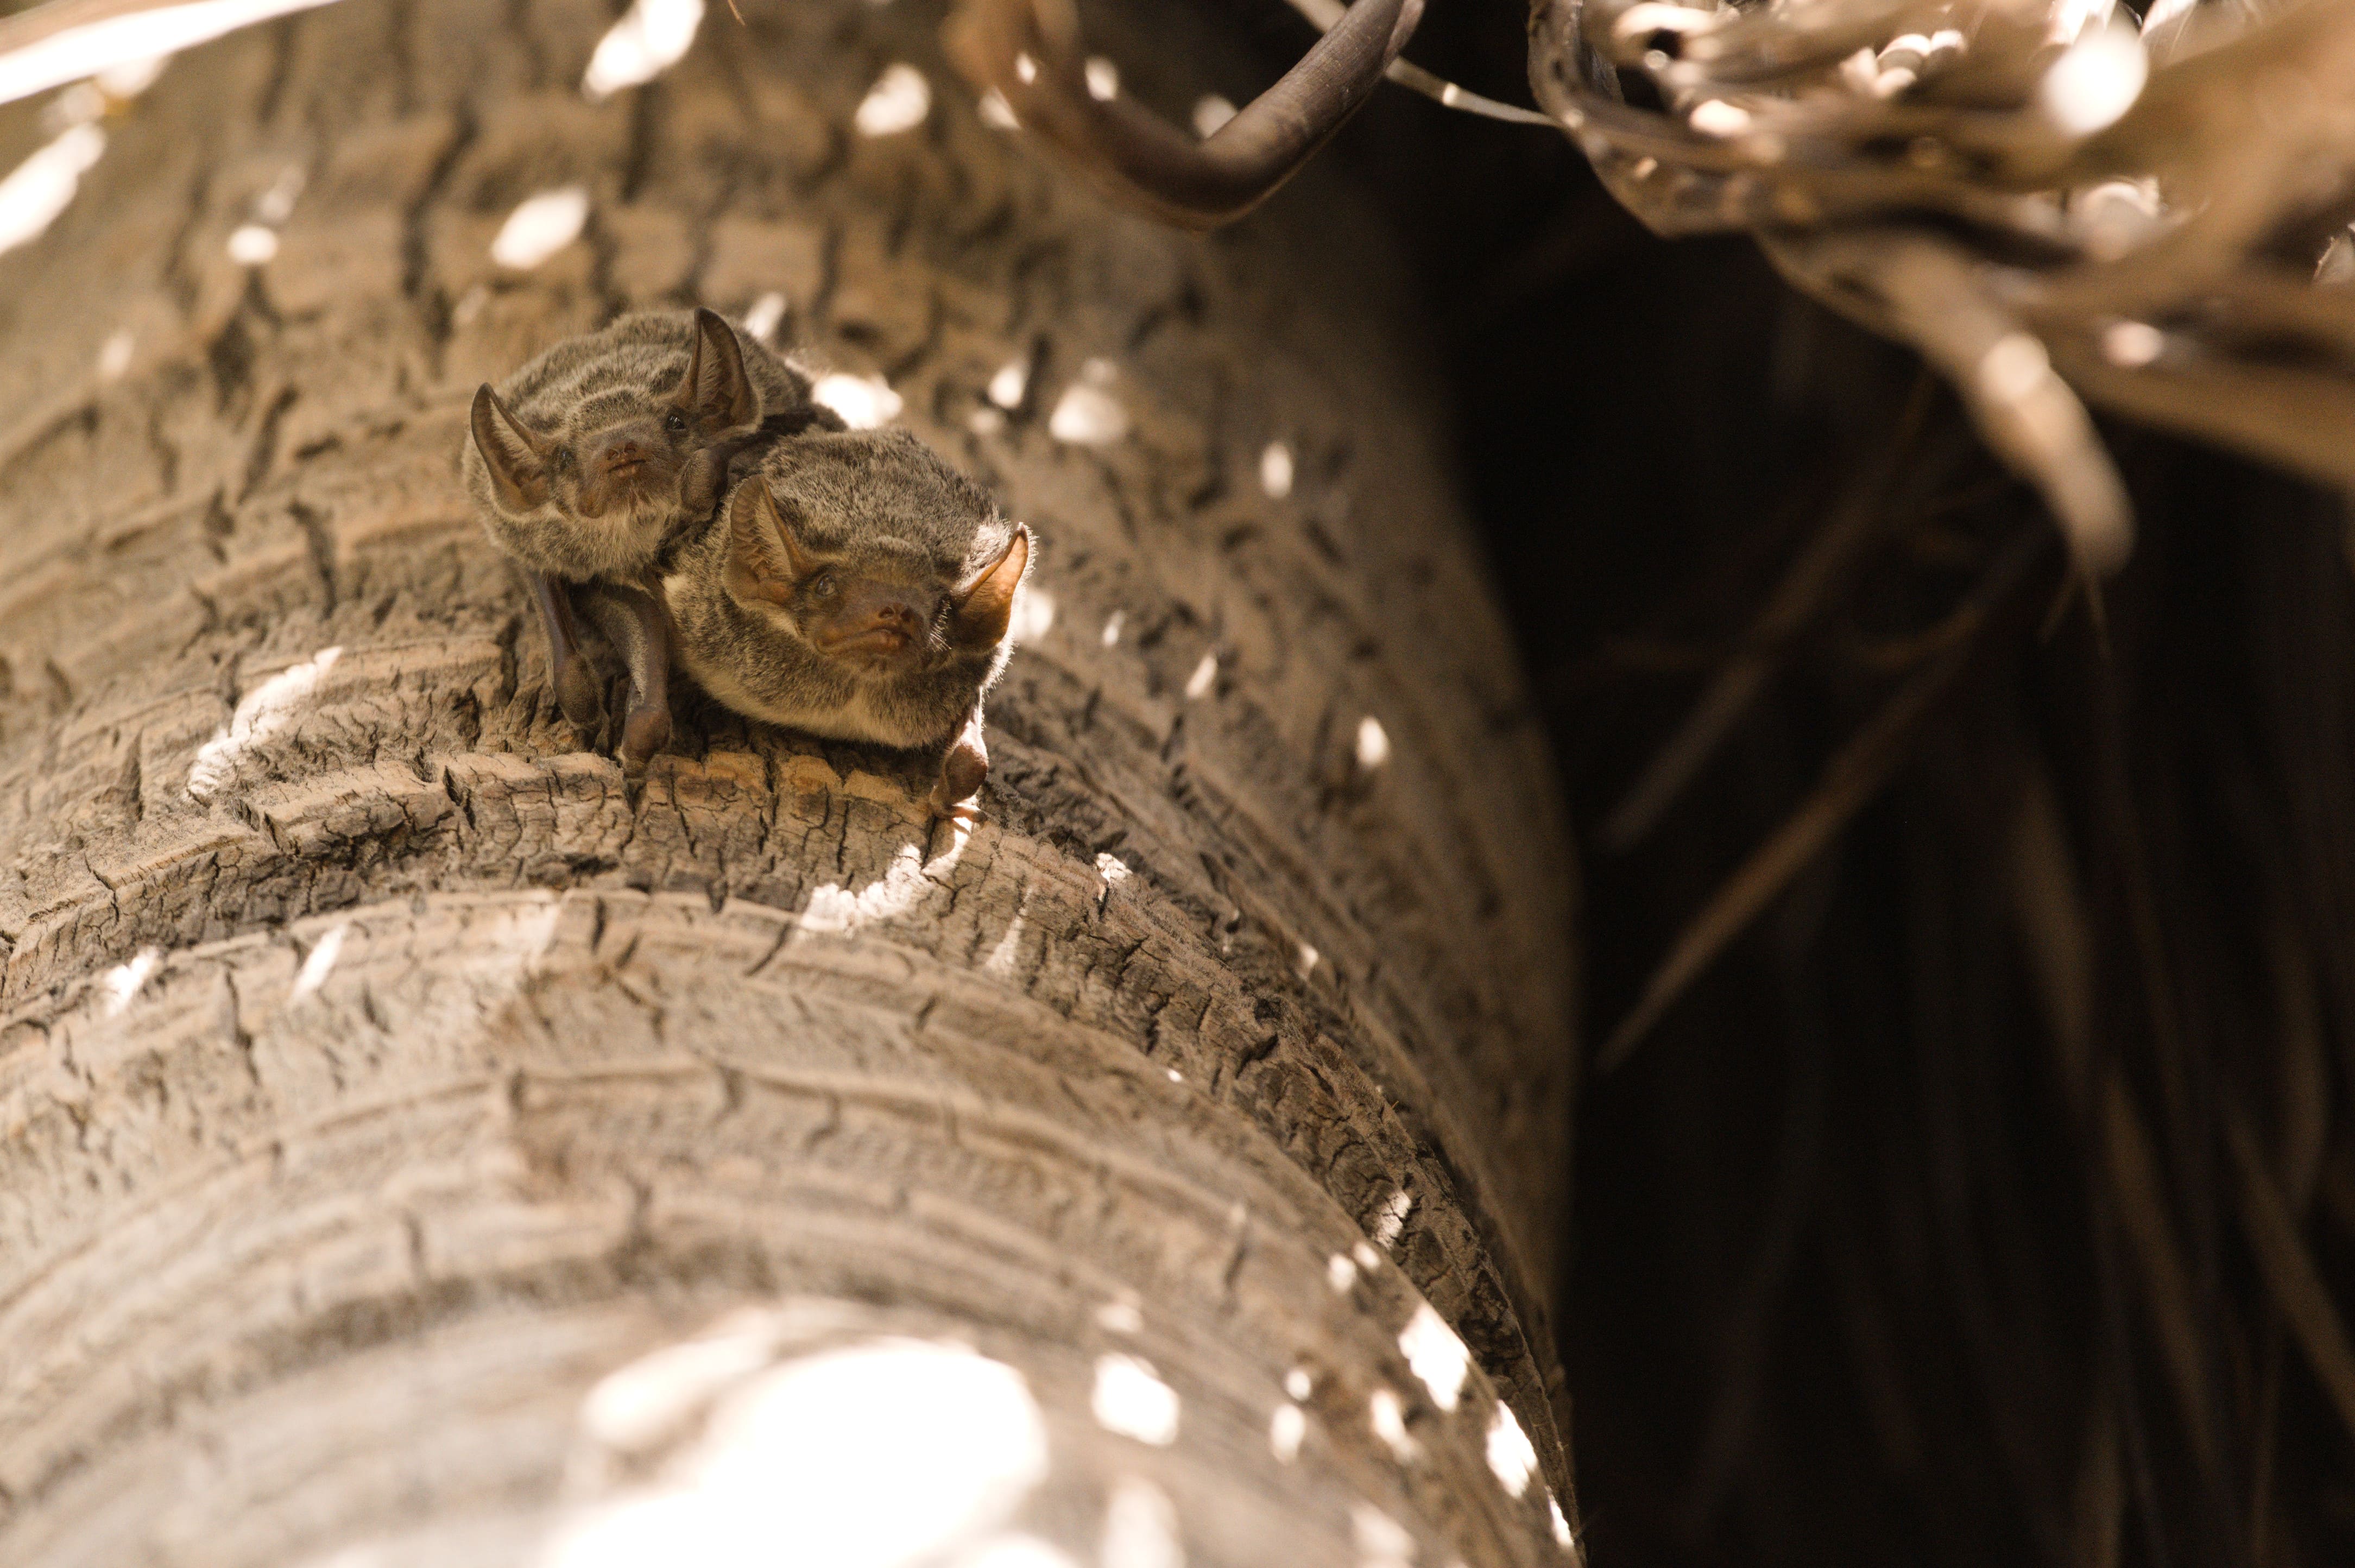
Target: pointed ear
716,393
984,605
765,561
515,457
801,418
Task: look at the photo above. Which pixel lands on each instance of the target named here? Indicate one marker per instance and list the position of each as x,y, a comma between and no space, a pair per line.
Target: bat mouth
628,486
635,481
875,642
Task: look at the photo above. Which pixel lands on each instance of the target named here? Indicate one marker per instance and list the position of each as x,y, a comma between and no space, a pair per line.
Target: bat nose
881,622
619,453
891,623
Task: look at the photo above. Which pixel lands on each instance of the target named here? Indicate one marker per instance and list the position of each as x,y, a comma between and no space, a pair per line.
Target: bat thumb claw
577,692
646,732
963,772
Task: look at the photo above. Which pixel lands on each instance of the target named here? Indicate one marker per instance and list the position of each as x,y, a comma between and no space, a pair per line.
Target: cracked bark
378,1072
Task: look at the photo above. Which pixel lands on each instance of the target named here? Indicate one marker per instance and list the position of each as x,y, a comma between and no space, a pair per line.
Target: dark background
1853,1274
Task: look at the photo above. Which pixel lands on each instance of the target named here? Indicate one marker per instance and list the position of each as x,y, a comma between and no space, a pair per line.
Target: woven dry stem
2053,203
2056,206
2048,201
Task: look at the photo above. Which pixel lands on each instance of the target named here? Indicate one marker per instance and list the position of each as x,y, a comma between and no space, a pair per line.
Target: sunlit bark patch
108,42
899,100
649,39
1511,1459
41,187
1436,1355
540,227
1131,1399
1141,1527
889,1452
863,402
1275,471
265,710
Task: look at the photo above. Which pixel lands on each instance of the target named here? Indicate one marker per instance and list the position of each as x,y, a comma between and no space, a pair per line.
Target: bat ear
765,561
802,418
515,457
984,606
716,393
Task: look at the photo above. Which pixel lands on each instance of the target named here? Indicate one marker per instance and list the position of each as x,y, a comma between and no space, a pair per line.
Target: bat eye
824,587
673,421
561,459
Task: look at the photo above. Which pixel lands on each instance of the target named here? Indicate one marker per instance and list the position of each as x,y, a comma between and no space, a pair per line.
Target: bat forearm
567,667
965,767
638,626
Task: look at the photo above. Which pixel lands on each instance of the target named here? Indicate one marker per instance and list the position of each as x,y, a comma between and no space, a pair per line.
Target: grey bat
595,458
856,586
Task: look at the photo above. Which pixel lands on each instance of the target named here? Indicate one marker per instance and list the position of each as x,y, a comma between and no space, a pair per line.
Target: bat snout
619,457
880,625
624,467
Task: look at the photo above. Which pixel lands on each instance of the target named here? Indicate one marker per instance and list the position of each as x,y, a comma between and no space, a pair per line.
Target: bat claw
644,733
579,692
963,772
962,815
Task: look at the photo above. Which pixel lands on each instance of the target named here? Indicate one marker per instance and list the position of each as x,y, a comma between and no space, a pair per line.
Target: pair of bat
679,486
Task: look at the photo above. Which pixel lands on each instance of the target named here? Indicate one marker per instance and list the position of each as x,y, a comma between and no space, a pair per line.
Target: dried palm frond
2052,203
2046,201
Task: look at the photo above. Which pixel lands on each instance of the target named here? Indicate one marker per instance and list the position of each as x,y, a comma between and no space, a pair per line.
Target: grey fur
612,447
591,383
881,511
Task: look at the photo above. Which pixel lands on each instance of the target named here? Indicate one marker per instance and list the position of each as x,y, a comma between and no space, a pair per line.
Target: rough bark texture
378,1072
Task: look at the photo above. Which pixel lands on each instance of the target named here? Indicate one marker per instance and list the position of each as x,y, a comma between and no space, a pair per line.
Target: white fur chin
630,518
640,527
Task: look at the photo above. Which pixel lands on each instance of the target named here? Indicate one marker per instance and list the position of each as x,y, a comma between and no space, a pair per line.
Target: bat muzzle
878,641
885,630
623,470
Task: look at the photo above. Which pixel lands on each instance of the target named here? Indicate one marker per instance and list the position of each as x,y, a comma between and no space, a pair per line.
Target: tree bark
416,1145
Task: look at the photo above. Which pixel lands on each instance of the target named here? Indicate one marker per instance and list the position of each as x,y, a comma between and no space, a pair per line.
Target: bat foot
579,692
963,772
947,831
942,806
646,732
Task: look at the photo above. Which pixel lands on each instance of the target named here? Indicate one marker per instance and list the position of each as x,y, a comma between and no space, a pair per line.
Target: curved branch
1326,15
1030,52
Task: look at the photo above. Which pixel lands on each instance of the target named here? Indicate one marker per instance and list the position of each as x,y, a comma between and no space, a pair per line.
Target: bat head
606,467
876,554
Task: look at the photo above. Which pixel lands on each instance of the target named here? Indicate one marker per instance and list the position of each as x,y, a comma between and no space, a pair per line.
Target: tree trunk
381,1075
